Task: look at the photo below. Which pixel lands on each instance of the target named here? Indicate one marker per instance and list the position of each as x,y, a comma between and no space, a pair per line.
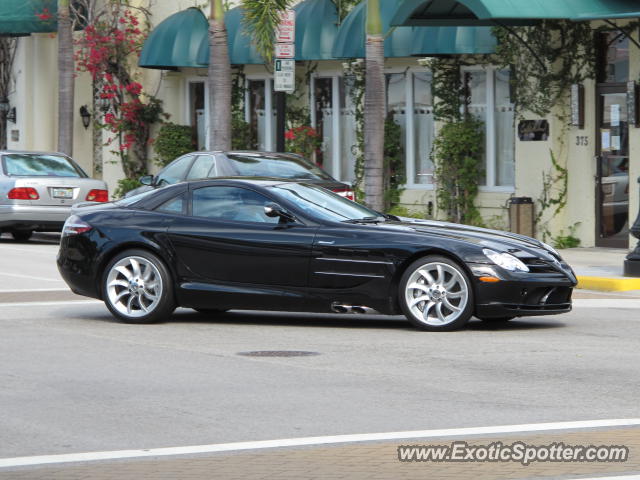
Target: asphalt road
72,379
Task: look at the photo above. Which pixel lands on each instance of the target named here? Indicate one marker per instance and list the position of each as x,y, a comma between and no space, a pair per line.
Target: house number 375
582,141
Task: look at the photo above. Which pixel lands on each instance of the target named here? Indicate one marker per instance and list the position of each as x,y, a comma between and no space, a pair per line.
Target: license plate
62,193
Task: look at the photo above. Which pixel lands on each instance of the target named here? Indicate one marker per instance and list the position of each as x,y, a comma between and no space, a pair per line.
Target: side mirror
146,180
274,210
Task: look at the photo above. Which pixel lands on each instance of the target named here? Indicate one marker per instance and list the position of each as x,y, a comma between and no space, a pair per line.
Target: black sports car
214,245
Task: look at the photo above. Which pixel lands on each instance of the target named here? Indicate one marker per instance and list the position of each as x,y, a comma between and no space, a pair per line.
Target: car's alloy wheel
435,294
137,288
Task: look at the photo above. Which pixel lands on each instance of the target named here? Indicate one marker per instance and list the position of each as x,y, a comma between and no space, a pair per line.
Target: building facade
601,154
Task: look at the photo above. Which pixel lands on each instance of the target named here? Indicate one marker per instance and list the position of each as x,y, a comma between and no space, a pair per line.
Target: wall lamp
86,116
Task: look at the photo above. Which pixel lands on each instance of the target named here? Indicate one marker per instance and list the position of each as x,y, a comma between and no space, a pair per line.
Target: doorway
612,142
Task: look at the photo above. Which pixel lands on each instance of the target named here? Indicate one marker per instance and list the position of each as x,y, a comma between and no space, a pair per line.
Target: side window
231,203
201,167
175,171
175,205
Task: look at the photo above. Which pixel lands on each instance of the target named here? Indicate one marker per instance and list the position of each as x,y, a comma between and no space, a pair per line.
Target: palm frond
261,18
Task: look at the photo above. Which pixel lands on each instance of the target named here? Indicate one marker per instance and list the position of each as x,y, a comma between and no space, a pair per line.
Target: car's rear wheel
21,235
136,287
435,294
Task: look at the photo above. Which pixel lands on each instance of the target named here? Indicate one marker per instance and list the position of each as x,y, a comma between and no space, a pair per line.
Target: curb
605,284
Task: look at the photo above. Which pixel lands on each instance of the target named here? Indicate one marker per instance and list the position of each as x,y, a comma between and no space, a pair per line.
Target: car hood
498,240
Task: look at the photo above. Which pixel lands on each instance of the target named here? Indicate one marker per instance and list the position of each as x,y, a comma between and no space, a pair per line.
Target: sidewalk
600,269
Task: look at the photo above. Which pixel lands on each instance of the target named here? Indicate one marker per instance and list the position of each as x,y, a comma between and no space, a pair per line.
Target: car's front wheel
136,287
435,294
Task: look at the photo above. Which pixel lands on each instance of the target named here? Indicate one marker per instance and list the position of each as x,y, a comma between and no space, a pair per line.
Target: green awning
20,17
351,36
316,29
453,41
511,12
175,41
241,50
409,41
611,10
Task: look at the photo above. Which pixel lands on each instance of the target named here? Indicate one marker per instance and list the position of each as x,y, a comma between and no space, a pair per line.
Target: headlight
506,261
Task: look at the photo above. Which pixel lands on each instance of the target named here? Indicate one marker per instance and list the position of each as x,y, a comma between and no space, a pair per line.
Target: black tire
462,289
210,311
497,320
159,286
21,235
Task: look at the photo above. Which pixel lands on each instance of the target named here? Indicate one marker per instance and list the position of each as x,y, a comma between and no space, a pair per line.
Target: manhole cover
278,353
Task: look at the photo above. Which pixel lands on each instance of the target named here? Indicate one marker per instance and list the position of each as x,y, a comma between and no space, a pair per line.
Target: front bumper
32,217
522,294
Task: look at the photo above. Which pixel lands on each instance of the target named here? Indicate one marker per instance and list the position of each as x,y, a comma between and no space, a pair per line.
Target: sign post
284,70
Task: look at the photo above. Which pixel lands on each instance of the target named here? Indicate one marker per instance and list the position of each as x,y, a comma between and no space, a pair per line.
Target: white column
247,103
268,116
491,127
336,140
410,147
207,117
312,101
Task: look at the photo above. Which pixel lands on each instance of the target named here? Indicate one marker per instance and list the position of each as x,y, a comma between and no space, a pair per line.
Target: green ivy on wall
545,60
458,149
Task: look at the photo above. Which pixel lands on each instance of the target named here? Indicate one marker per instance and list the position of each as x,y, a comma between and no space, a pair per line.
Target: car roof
255,153
261,181
31,152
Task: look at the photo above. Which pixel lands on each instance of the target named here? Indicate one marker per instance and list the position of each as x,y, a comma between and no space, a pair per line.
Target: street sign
284,76
286,32
285,50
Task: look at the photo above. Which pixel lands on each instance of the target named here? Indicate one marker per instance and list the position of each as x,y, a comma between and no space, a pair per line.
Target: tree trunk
65,78
374,110
219,81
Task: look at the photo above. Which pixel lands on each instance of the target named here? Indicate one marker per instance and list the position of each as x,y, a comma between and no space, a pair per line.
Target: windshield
279,166
40,165
320,202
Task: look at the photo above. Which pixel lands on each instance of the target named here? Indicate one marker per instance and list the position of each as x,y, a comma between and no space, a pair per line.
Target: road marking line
306,441
606,303
48,304
31,277
624,477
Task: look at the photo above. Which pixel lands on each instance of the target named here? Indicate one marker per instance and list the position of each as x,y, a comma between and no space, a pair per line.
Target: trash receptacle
521,215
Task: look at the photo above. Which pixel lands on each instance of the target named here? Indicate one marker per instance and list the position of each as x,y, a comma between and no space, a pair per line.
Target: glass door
612,179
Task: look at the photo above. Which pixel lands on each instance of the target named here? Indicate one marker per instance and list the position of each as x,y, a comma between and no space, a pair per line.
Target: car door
226,238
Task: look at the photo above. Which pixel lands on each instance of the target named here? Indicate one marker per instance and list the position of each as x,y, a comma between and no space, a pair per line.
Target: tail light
345,192
98,196
74,226
23,193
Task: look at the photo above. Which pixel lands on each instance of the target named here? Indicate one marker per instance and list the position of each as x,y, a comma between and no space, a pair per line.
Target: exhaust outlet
352,309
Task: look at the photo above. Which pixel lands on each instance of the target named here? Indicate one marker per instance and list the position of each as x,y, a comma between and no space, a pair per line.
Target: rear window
281,166
40,165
